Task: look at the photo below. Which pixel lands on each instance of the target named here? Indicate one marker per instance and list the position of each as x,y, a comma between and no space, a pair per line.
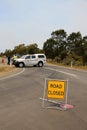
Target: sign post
55,92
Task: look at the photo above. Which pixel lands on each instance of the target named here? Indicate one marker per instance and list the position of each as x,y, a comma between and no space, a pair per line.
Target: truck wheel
21,65
40,64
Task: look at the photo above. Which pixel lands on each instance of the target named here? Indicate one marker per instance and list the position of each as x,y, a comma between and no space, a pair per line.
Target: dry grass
7,70
73,67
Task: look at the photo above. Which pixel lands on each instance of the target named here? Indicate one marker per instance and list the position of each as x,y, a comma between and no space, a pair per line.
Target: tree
84,54
74,43
48,48
32,48
20,49
8,52
60,37
54,46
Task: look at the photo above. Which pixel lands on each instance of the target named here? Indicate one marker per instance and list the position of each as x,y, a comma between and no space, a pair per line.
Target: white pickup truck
30,60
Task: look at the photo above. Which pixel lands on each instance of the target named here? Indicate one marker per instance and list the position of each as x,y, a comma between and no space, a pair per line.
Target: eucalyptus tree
74,43
20,49
49,49
32,48
84,54
56,45
8,52
60,38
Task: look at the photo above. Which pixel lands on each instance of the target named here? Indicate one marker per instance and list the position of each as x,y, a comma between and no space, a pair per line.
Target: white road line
61,72
13,75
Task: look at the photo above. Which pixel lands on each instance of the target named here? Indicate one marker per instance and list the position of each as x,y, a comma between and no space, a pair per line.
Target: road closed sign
56,89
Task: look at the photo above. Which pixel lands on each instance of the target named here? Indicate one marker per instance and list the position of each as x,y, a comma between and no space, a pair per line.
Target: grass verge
6,70
67,66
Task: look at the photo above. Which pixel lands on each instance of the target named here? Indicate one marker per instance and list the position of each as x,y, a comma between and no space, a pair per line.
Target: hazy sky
32,21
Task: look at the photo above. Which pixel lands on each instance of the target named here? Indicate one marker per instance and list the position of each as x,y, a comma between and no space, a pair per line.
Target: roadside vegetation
60,48
6,70
65,49
81,67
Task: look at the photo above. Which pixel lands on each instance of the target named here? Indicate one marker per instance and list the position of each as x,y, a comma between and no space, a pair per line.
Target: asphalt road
21,106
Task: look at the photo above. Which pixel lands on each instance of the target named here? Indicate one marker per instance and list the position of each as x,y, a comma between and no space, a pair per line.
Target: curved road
21,107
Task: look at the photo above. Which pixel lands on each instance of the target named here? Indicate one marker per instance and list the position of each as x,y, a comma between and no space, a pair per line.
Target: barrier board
55,91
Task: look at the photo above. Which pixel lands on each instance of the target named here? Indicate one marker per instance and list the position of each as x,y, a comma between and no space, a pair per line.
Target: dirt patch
6,70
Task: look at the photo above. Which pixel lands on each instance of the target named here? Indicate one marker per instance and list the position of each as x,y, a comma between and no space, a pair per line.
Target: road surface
21,106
